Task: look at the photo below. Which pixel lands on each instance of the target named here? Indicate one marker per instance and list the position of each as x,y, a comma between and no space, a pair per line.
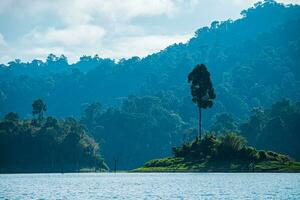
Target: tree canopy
50,146
38,108
201,87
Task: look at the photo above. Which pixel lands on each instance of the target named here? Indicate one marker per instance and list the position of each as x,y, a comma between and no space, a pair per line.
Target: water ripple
135,186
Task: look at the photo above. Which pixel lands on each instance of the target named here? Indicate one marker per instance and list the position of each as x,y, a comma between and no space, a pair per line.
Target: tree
91,113
224,122
201,89
38,108
11,116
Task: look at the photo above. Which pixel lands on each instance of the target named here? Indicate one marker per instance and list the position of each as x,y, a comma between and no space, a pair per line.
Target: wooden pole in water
115,165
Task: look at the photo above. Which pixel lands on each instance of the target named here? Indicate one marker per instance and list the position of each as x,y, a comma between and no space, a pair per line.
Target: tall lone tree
38,108
201,89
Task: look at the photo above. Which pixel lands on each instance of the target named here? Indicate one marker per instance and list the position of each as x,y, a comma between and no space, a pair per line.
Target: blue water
129,186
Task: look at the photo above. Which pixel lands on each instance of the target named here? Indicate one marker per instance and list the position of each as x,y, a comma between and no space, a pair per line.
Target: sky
32,29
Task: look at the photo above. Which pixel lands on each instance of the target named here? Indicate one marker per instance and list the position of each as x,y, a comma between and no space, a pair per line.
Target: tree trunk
200,127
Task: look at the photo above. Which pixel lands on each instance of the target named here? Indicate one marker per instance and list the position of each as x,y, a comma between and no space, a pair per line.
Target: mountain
254,61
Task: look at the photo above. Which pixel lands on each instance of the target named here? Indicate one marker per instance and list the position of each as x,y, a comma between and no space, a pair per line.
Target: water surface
150,186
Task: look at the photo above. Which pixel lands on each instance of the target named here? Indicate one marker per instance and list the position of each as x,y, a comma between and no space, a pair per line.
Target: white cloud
92,26
3,50
289,1
110,28
72,41
2,41
141,45
125,10
251,2
123,47
41,52
85,11
79,35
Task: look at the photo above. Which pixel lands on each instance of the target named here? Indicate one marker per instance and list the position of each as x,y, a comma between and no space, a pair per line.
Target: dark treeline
142,128
146,103
46,145
275,128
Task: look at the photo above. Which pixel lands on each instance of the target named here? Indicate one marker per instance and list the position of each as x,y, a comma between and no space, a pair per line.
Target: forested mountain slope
253,60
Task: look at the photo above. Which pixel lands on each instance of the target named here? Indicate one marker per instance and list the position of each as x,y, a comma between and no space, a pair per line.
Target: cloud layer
115,28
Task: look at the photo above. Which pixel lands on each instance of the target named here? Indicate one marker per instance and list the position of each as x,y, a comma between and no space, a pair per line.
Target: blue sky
32,29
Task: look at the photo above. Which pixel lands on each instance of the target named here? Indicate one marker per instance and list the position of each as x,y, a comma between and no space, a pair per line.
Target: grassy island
224,153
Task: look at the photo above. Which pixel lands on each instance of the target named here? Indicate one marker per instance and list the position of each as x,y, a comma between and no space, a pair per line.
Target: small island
217,153
222,153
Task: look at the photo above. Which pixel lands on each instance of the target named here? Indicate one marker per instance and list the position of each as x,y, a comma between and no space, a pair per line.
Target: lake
150,186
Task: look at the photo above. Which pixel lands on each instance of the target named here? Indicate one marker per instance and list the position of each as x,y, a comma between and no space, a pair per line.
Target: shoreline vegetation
264,167
46,144
222,153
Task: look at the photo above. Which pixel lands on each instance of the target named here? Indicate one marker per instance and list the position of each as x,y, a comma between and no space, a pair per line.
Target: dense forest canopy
46,145
274,128
138,108
140,129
